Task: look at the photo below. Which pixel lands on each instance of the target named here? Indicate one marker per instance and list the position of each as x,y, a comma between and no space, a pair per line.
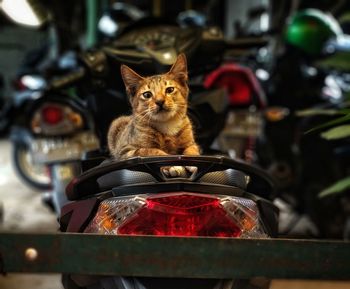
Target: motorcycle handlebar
94,62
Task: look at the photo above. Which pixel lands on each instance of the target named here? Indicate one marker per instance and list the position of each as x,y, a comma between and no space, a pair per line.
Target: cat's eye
147,94
169,90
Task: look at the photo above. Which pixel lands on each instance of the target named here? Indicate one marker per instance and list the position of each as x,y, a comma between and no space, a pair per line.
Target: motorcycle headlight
56,119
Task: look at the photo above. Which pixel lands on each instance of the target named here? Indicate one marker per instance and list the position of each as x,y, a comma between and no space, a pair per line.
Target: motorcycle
51,131
247,102
29,86
223,198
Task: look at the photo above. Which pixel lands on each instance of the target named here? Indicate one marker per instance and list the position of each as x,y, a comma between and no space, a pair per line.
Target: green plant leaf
339,120
338,61
316,111
336,188
338,132
344,111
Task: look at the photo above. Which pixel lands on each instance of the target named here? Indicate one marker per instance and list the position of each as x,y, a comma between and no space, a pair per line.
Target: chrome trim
48,150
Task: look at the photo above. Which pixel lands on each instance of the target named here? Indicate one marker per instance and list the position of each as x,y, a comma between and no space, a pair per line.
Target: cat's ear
131,79
179,68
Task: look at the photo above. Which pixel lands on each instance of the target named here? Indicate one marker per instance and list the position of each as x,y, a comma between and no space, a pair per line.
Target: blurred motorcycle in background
247,101
51,131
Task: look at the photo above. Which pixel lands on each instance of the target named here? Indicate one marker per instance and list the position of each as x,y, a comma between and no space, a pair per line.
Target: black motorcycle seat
228,177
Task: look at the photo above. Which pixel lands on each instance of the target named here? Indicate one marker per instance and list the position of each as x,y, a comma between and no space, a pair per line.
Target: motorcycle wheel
34,175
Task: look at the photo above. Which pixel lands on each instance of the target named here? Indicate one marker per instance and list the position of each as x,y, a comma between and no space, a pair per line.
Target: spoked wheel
34,175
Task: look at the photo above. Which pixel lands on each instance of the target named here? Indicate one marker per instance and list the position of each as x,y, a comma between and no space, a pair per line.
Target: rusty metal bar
174,257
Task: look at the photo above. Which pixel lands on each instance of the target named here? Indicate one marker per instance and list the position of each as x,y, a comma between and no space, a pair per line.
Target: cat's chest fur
169,135
170,128
169,144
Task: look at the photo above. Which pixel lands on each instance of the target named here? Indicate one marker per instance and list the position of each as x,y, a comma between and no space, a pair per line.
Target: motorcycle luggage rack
156,257
176,186
87,183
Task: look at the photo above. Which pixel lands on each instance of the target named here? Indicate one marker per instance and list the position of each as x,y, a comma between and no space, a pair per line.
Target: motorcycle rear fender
232,70
75,216
269,213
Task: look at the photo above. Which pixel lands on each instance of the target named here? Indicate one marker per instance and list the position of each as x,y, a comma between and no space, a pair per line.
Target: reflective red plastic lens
181,215
238,89
52,114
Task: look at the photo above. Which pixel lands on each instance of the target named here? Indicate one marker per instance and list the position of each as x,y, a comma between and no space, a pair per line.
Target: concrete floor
23,211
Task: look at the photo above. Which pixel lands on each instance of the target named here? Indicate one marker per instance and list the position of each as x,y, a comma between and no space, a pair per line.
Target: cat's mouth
163,113
162,109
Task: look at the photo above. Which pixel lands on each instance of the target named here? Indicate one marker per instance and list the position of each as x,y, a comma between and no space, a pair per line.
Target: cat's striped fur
159,124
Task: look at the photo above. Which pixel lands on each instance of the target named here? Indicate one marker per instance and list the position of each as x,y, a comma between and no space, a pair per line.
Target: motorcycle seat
123,177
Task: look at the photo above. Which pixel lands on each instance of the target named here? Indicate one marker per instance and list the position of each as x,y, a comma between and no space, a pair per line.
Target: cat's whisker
150,116
142,116
179,105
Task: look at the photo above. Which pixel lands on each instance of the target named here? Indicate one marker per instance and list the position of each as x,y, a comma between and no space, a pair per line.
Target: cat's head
158,98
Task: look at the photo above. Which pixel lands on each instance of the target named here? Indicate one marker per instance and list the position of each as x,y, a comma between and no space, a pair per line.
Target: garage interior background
24,209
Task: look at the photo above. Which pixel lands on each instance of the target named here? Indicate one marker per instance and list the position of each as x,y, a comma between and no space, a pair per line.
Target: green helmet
309,29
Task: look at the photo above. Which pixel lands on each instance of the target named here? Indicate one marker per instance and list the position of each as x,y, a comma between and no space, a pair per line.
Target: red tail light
54,119
177,214
52,114
181,215
238,89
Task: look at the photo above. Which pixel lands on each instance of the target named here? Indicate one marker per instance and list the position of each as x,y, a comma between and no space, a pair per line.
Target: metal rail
174,257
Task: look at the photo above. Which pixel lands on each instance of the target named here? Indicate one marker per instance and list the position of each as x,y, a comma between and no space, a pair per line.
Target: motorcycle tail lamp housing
241,84
52,114
240,93
53,119
178,214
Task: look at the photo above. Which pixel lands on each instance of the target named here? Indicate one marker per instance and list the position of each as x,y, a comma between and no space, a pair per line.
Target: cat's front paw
174,171
191,169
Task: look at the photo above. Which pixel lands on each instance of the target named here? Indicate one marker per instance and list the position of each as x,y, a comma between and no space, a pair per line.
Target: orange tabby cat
159,124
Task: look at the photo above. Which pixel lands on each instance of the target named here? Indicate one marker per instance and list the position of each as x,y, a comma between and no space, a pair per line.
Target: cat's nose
160,103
